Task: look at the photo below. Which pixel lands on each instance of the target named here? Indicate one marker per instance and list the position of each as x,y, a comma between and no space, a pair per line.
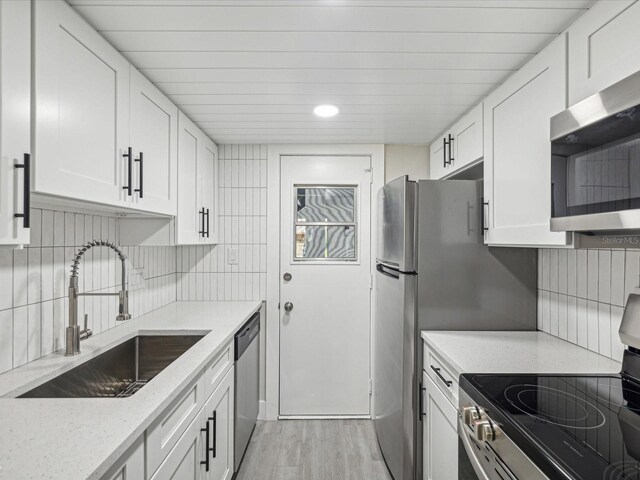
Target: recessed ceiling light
326,110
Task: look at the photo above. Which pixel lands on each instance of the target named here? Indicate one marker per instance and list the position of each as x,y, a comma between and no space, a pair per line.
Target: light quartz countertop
515,352
81,438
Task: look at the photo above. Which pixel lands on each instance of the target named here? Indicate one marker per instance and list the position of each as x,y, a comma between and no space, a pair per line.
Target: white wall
582,293
34,281
412,160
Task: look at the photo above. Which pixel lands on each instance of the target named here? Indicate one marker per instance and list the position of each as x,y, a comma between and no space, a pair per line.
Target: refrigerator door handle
388,272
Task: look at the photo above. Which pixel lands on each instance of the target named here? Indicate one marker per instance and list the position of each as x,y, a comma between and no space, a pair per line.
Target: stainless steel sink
120,371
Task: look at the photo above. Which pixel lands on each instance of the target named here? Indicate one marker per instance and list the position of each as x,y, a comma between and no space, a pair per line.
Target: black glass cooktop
579,427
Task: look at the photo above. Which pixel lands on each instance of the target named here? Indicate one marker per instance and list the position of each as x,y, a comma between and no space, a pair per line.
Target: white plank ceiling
251,71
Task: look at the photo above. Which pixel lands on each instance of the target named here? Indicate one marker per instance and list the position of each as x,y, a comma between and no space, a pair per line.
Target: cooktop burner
578,427
576,412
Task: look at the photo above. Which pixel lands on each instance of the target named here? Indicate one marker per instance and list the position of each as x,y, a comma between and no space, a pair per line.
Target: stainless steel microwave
595,162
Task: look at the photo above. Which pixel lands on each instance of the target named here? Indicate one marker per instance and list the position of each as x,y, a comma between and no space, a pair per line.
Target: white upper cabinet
15,121
604,47
208,183
197,219
460,146
154,142
81,109
517,154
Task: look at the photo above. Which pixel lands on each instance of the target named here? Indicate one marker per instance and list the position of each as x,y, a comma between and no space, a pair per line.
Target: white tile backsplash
34,279
581,295
205,272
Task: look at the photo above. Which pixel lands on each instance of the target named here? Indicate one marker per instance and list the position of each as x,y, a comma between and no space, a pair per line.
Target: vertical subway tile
34,315
592,274
572,280
563,321
562,271
6,278
593,327
47,328
572,320
604,276
6,340
20,277
47,273
20,336
553,314
617,347
617,277
553,270
58,229
632,272
47,228
34,274
582,321
581,273
604,329
36,227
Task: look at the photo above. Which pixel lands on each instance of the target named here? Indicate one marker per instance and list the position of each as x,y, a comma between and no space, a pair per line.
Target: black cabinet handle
26,194
129,157
140,188
444,380
205,462
444,152
421,401
207,230
451,159
201,217
484,224
214,419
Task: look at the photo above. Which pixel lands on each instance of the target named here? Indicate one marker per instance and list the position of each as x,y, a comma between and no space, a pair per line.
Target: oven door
469,464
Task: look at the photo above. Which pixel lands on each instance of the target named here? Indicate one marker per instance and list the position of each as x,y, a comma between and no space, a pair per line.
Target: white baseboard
262,410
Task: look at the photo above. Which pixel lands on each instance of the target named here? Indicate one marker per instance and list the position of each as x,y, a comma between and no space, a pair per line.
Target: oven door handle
471,451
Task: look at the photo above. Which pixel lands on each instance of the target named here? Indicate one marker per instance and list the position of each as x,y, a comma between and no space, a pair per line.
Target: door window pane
325,204
325,223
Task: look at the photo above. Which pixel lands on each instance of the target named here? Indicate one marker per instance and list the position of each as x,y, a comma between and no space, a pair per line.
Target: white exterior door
325,289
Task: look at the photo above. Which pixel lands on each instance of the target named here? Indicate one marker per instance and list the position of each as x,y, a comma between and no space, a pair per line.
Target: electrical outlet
232,255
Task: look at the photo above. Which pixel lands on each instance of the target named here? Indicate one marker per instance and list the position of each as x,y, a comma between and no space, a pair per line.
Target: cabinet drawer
216,369
164,433
442,376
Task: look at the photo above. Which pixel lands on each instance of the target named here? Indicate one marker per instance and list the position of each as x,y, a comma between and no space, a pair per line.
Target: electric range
532,427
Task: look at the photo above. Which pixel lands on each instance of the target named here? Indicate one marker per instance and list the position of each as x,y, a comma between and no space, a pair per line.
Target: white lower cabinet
130,466
439,434
219,414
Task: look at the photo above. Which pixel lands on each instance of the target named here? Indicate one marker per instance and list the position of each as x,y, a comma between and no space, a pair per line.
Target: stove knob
471,414
486,430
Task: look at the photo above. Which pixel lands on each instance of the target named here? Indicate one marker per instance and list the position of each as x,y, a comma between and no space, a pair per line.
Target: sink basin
120,371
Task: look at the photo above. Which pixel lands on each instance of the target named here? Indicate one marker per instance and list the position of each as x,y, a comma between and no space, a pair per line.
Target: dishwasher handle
246,335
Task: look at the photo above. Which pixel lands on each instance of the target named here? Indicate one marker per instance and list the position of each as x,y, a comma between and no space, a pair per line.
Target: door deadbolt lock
287,277
288,306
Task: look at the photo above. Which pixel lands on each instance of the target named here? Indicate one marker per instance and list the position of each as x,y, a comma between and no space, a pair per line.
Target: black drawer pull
26,194
207,229
201,216
214,419
444,380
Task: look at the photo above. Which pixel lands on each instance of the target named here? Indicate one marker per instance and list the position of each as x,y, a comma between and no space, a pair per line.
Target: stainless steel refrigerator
434,272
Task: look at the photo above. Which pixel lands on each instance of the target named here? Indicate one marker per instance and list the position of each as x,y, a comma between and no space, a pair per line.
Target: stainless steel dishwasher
247,371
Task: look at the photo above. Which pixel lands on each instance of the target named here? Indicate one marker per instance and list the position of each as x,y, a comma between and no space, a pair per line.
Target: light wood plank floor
313,450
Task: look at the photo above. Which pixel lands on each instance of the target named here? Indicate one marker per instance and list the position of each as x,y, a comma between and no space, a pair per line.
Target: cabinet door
15,117
183,462
439,434
604,47
131,465
208,183
219,412
154,138
437,153
467,139
189,218
81,108
517,160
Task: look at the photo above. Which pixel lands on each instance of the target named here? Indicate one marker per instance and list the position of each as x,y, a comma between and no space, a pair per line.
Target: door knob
288,306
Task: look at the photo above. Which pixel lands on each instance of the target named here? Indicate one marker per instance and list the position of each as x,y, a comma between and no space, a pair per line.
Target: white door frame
376,152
